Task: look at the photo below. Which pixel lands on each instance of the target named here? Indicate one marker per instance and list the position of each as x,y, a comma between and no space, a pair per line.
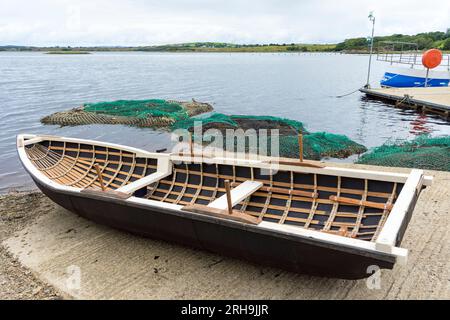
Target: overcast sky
146,22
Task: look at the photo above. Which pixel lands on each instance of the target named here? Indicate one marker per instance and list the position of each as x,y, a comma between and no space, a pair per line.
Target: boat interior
337,204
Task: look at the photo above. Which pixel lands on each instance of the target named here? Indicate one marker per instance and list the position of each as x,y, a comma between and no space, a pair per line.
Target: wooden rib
289,201
302,210
269,194
62,173
171,186
38,146
214,194
84,175
247,200
36,155
103,186
358,221
335,207
119,162
300,186
130,172
152,191
71,167
66,172
314,205
87,172
59,161
144,172
183,190
385,214
200,186
56,172
119,166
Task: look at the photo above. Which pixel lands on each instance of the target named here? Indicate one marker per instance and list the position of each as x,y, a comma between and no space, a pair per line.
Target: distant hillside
191,47
439,40
230,47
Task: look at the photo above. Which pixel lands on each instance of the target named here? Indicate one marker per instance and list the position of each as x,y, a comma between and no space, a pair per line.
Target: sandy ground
17,211
80,259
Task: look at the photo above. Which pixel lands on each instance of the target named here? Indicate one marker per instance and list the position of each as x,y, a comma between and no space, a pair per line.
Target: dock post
372,19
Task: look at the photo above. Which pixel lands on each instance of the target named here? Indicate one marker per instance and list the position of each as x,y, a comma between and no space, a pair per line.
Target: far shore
68,52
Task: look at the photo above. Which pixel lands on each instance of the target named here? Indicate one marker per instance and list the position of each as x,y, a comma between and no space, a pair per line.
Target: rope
348,94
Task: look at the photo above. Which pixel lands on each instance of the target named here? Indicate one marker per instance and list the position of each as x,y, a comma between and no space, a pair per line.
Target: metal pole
371,18
426,79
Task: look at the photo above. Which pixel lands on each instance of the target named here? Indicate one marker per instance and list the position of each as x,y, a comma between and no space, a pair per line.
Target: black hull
300,255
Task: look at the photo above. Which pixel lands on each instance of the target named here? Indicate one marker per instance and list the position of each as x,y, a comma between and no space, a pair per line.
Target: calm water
297,86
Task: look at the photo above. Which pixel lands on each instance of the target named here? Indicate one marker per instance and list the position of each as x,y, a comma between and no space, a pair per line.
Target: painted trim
387,238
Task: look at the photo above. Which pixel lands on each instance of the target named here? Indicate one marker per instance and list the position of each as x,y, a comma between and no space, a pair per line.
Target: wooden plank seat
241,192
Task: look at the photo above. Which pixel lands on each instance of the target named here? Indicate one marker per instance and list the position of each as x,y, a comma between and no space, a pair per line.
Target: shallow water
296,86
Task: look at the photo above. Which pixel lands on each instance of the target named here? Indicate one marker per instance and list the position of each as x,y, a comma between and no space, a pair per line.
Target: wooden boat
323,221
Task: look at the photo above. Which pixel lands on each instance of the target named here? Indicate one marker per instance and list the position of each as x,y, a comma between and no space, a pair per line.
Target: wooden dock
434,100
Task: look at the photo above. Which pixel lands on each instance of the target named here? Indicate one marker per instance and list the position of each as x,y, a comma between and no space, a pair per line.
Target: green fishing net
153,113
316,145
139,108
424,152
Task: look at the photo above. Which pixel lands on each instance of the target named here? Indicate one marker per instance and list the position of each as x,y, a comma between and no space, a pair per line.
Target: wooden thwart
235,196
356,202
225,214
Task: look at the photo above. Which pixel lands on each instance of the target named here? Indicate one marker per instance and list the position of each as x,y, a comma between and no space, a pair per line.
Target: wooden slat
356,202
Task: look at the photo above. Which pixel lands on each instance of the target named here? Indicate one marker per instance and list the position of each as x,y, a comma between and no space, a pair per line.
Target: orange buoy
432,58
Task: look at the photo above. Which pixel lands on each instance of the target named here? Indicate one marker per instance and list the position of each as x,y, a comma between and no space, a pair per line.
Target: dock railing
405,53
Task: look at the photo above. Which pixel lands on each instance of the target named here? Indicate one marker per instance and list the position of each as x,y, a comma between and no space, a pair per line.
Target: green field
437,39
228,47
67,52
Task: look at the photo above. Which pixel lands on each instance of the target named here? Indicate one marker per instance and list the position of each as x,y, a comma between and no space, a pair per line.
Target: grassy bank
225,47
68,52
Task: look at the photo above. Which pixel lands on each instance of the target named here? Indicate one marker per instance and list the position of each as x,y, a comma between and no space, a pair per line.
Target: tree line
428,40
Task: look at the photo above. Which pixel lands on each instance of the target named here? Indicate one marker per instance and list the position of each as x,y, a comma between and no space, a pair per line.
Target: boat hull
410,78
300,255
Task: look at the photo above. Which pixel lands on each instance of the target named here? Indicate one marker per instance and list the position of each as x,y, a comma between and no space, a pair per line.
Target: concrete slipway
117,265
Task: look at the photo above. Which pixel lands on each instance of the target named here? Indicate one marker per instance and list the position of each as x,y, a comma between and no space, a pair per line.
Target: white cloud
139,22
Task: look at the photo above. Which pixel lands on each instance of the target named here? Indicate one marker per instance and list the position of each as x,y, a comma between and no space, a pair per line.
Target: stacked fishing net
143,113
424,152
316,145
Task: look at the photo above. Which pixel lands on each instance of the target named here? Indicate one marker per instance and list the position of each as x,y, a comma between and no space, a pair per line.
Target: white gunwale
385,243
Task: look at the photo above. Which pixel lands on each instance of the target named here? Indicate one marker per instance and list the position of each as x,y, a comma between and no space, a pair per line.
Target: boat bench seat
239,193
144,182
